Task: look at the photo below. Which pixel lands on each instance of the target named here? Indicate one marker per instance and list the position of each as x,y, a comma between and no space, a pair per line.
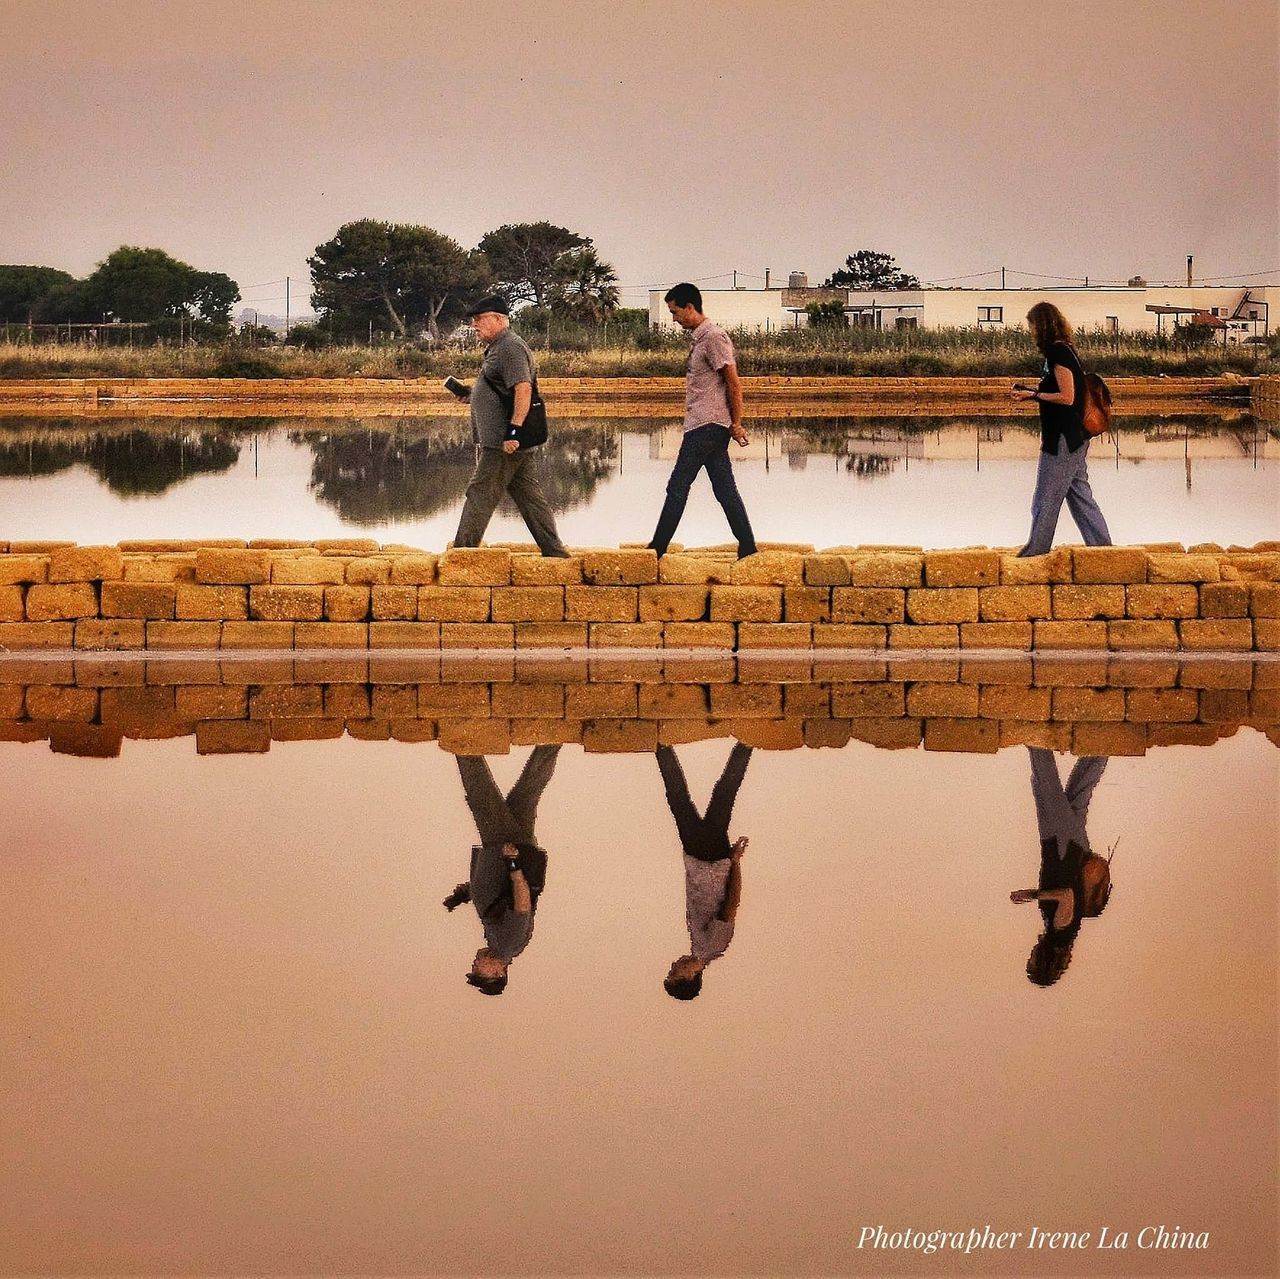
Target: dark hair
685,295
1048,325
1048,961
683,987
488,985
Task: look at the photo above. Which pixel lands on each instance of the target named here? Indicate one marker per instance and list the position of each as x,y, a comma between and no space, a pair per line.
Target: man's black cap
491,303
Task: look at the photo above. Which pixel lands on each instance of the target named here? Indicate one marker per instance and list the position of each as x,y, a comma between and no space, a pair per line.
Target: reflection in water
378,476
508,867
137,464
712,866
1075,882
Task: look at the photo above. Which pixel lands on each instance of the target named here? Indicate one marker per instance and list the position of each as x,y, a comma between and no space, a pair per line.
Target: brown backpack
1097,405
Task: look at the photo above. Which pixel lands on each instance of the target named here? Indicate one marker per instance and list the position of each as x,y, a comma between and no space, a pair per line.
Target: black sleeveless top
1062,419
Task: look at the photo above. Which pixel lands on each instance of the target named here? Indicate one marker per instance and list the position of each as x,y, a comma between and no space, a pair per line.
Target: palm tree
585,287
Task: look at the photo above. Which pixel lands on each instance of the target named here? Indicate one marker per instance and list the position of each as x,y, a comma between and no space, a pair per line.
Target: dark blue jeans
704,446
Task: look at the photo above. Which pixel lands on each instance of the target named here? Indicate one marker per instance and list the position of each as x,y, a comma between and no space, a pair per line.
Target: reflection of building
1238,313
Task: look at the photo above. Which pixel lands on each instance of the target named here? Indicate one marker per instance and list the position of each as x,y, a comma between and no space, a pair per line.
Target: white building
1241,313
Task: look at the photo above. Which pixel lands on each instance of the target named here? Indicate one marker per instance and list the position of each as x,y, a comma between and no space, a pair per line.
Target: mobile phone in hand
460,389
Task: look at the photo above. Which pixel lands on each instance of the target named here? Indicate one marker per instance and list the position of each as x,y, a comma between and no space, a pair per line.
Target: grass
584,353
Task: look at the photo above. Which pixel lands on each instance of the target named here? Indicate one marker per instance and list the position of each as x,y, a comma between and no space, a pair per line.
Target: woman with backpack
1063,474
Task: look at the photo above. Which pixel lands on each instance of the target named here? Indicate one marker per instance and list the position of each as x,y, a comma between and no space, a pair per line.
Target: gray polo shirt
705,397
705,886
507,360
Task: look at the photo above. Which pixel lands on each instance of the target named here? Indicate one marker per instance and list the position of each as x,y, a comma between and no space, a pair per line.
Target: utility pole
735,279
286,308
1002,278
766,277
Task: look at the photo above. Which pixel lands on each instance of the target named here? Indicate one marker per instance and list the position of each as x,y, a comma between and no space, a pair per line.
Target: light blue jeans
1064,476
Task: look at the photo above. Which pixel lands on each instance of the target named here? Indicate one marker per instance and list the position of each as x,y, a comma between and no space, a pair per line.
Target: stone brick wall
1103,704
1265,398
355,594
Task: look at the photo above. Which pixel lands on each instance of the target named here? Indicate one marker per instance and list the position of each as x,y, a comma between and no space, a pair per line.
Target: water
240,1039
932,482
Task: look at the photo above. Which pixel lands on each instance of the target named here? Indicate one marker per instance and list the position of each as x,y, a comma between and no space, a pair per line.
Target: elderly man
712,417
500,401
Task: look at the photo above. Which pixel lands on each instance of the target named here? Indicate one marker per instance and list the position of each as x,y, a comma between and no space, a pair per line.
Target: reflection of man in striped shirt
712,866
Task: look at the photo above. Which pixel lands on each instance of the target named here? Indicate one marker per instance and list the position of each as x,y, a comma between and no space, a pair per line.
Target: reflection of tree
131,465
376,477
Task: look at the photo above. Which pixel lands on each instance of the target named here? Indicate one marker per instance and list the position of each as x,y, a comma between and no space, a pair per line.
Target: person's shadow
1075,882
712,866
508,867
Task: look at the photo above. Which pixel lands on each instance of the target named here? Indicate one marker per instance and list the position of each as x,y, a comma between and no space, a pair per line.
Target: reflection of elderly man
1075,882
508,869
500,400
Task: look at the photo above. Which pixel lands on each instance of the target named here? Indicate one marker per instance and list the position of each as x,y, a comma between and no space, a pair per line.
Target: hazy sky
1099,137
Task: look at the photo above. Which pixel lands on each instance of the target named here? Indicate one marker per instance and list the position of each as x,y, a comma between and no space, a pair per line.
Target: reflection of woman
1075,882
1063,473
712,866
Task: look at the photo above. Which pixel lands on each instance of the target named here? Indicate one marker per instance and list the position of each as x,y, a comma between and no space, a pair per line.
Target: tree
523,256
411,276
867,269
23,290
584,287
826,315
148,285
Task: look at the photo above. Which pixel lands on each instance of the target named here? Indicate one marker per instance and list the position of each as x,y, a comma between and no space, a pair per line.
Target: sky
1104,138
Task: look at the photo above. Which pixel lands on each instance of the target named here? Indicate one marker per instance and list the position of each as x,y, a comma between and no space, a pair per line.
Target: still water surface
926,481
239,1038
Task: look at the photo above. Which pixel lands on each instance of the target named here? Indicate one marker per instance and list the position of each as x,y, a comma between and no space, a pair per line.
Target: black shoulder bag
534,429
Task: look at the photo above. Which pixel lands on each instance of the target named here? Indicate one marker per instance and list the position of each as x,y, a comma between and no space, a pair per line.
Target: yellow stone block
394,701
1059,635
625,635
138,599
307,570
193,602
672,701
546,570
1224,599
721,635
859,700
162,635
1050,737
1165,705
11,604
600,701
137,709
673,603
620,567
551,635
474,566
346,701
527,603
746,604
969,736
374,570
410,570
887,569
746,701
1015,603
93,741
954,701
1109,739
56,703
1036,570
452,603
1182,568
962,568
952,604
92,633
346,545
769,734
232,737
1158,602
806,701
1264,600
1102,565
211,701
1009,701
887,734
618,736
232,568
806,603
454,701
918,636
769,568
256,635
544,732
848,635
469,737
826,570
1088,603
286,603
348,603
774,635
1235,634
398,603
528,701
331,635
86,564
15,569
694,570
1139,635
1097,705
601,603
286,701
1266,634
60,603
477,635
820,733
996,635
881,605
160,568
